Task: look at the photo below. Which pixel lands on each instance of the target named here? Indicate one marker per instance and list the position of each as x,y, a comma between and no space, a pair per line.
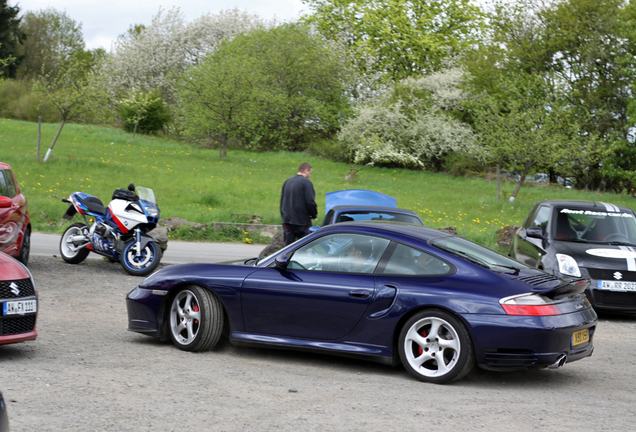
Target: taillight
529,305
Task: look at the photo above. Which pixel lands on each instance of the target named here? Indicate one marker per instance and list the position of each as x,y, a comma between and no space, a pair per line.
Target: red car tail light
529,305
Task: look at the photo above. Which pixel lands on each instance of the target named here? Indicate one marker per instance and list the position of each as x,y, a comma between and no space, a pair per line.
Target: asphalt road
86,372
177,253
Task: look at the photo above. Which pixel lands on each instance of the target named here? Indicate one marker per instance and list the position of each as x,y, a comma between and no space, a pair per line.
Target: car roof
584,204
363,207
357,197
393,229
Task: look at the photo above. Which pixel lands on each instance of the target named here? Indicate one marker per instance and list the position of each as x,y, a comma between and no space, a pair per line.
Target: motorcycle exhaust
78,240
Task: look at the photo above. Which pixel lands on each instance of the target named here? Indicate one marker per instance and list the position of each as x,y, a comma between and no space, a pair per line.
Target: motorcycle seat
93,204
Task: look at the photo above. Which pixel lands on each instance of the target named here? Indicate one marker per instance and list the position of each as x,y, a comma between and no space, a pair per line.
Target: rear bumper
520,342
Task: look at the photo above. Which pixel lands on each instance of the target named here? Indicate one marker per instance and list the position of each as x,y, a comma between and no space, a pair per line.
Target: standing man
298,204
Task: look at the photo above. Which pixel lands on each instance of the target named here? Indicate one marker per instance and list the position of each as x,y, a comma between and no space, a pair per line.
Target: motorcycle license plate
19,307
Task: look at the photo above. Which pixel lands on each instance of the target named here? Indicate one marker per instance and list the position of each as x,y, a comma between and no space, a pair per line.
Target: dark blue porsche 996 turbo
388,292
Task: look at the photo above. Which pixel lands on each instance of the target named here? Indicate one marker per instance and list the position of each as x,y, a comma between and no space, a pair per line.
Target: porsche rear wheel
196,319
435,347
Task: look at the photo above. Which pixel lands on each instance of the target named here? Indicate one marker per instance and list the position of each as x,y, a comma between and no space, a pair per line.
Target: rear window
477,254
366,215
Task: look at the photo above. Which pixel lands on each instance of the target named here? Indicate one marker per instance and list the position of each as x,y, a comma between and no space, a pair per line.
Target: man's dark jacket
297,201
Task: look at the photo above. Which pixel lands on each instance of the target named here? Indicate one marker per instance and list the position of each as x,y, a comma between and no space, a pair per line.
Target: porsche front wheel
196,319
435,347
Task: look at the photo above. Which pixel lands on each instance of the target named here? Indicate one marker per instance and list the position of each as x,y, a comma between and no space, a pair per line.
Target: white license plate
617,285
19,307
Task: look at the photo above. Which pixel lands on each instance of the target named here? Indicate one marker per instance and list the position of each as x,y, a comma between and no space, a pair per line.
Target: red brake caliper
420,351
195,308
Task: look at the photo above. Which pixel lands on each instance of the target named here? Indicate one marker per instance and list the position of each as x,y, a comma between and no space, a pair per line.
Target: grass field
195,184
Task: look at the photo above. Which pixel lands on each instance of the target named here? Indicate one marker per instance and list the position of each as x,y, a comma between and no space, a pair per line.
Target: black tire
25,247
195,319
447,339
67,251
140,264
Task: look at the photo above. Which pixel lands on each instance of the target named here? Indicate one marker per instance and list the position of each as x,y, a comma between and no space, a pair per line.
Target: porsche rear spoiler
567,288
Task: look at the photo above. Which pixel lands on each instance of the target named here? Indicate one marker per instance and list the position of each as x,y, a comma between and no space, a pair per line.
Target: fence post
39,135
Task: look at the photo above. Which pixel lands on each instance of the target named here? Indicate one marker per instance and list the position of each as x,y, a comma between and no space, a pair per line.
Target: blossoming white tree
150,59
410,120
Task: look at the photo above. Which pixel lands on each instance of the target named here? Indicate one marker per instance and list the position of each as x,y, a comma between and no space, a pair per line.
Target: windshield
146,194
595,226
477,254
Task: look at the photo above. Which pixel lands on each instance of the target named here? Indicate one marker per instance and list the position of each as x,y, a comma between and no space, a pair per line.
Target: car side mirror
5,202
281,261
535,232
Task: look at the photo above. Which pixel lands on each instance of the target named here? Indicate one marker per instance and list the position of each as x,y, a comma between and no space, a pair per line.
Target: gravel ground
85,372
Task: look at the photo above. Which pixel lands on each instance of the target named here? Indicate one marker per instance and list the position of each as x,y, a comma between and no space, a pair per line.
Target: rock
174,223
277,243
506,235
161,234
449,230
248,218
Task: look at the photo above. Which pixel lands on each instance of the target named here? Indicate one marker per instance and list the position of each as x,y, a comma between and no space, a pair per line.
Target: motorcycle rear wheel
67,248
140,264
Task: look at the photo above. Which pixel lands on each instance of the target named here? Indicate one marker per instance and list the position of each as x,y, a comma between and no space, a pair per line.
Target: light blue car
364,205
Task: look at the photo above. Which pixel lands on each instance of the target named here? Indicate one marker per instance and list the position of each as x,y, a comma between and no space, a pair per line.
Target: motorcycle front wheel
70,252
142,263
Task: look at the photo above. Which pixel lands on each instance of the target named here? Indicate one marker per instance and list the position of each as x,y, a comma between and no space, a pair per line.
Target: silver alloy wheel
432,347
185,317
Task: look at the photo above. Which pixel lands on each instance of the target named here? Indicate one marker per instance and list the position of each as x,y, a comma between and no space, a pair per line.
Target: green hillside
195,184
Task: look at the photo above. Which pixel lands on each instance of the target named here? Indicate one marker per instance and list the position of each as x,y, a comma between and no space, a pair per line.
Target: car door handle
359,293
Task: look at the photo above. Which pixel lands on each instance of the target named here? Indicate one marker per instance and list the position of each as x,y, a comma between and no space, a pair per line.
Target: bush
156,116
329,148
462,165
19,102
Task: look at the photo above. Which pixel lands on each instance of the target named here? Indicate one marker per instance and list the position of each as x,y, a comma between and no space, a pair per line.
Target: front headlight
568,265
152,211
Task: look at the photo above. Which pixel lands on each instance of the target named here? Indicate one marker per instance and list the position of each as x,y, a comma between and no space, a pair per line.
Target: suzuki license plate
616,285
580,337
19,307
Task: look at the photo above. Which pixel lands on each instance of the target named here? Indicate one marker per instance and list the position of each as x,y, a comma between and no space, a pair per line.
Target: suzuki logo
14,288
618,276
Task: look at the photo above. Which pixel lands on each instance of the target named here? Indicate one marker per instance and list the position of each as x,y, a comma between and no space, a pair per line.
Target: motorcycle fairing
125,219
87,204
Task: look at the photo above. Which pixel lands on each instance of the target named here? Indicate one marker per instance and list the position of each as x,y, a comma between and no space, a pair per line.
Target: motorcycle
118,232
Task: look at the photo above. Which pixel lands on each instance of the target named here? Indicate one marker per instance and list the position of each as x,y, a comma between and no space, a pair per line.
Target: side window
541,218
406,260
4,189
10,184
349,253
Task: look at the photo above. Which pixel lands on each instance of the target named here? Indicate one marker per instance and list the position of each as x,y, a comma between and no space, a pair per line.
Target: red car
18,302
15,225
